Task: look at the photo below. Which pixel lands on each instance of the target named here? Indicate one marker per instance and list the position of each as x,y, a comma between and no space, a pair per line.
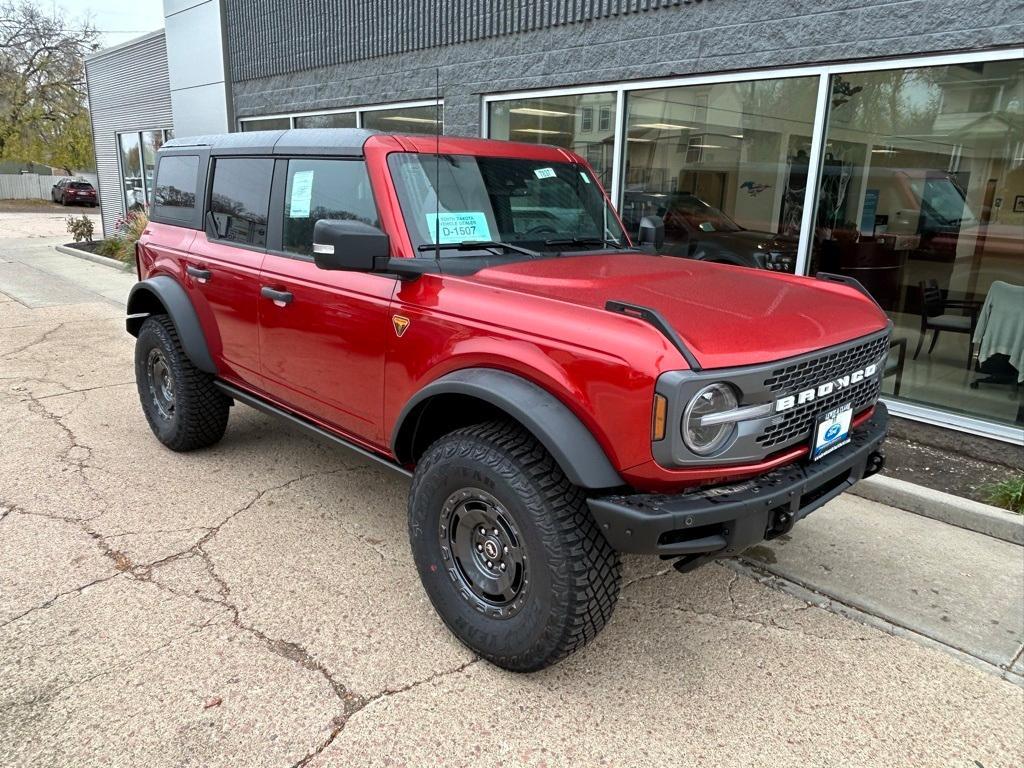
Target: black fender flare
558,429
168,294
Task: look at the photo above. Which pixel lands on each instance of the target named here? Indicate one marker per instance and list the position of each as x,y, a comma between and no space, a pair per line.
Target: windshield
534,204
699,215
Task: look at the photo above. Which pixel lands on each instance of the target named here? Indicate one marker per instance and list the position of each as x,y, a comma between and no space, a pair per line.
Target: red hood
728,316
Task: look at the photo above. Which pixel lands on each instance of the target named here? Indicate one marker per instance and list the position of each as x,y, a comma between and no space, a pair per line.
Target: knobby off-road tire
489,500
183,407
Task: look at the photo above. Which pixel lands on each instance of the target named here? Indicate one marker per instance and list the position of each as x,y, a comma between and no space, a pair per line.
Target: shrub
127,230
80,228
1008,494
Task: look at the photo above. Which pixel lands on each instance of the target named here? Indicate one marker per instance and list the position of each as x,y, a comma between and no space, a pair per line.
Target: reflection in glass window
725,165
175,194
404,120
131,172
565,121
330,120
324,189
922,200
266,124
151,143
548,207
240,198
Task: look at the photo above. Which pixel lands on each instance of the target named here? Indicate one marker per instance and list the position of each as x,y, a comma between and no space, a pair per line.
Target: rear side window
174,196
240,198
324,189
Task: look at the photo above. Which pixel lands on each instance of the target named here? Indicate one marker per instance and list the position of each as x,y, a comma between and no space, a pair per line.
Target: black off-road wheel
183,407
507,549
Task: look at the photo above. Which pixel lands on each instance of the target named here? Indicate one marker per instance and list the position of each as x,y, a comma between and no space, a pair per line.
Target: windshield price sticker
302,192
458,227
832,431
544,173
585,177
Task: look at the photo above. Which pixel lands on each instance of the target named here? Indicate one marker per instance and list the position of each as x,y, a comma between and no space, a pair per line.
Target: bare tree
43,100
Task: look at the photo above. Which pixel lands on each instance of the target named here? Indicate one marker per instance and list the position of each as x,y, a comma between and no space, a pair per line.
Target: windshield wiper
585,241
477,245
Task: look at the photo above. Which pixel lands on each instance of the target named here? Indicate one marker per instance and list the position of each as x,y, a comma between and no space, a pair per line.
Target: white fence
32,186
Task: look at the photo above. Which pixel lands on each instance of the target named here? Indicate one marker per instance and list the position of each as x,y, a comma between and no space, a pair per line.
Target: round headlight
712,399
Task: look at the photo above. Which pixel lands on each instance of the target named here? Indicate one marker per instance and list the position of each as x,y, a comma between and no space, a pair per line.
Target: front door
223,266
323,333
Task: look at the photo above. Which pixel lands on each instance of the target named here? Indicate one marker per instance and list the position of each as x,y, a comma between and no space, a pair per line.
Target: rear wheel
507,549
183,407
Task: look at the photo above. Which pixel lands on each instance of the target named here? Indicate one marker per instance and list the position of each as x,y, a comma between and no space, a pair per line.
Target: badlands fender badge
401,324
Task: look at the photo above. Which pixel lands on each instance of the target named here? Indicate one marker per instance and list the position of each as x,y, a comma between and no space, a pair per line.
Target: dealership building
877,139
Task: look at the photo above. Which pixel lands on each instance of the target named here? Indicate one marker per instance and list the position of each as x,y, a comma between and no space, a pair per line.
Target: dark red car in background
73,192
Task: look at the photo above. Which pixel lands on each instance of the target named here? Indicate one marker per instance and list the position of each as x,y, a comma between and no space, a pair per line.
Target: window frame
211,168
196,215
278,193
824,73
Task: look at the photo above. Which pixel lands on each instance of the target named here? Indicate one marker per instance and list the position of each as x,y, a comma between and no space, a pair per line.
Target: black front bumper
725,520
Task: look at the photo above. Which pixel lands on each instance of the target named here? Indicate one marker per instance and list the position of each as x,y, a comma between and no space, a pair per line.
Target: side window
324,189
240,198
174,195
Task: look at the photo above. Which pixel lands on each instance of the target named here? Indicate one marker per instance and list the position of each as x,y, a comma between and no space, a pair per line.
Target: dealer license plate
831,431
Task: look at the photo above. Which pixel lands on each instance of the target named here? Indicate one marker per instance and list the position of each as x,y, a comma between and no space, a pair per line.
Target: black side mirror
349,245
652,232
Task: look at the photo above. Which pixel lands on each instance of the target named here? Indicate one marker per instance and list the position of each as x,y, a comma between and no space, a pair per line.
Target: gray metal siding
129,90
269,37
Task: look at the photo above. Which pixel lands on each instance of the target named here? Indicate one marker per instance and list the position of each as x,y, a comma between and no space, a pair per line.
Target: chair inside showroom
894,363
937,317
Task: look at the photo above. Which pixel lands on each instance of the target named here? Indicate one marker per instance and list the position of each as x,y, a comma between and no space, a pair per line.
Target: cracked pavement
255,604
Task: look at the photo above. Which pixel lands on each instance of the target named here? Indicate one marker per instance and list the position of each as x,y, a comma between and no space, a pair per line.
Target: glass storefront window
138,159
266,124
565,121
151,143
404,120
922,200
131,172
725,165
329,120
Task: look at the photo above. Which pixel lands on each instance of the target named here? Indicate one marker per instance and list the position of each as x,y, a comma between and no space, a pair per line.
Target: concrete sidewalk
957,588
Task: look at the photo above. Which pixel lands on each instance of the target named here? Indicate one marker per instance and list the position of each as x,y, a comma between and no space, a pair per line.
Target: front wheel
183,407
507,549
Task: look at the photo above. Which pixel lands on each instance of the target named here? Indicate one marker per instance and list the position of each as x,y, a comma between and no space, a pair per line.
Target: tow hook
874,464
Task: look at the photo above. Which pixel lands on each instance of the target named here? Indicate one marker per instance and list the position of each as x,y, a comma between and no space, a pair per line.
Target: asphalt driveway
255,604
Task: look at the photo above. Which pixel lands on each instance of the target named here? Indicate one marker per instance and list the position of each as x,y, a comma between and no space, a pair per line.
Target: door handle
202,275
281,298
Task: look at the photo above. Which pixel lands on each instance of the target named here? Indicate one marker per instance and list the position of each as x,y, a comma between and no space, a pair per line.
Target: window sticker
302,192
586,178
448,227
544,173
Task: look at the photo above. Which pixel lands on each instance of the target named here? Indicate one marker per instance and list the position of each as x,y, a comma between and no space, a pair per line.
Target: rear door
323,333
222,271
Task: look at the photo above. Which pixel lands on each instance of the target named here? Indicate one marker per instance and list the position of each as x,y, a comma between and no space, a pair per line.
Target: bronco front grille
808,373
797,423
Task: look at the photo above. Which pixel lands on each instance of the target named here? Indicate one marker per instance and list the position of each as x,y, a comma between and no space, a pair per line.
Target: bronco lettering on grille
822,390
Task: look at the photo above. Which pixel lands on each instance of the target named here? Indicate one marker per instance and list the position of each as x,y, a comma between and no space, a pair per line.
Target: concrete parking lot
255,604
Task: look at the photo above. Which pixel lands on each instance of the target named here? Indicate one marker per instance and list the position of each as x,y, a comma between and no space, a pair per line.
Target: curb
944,507
93,257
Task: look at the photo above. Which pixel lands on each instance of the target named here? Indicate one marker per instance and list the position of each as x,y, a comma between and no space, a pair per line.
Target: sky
118,20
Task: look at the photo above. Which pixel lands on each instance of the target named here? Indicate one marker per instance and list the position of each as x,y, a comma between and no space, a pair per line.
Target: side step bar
260,404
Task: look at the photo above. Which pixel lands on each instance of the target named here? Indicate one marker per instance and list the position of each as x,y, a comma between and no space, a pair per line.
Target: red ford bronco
471,313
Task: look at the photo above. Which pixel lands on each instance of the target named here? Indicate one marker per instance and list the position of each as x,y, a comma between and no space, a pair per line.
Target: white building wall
198,74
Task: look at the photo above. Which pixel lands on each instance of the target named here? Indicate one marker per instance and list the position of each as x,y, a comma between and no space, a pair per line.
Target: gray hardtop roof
343,142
